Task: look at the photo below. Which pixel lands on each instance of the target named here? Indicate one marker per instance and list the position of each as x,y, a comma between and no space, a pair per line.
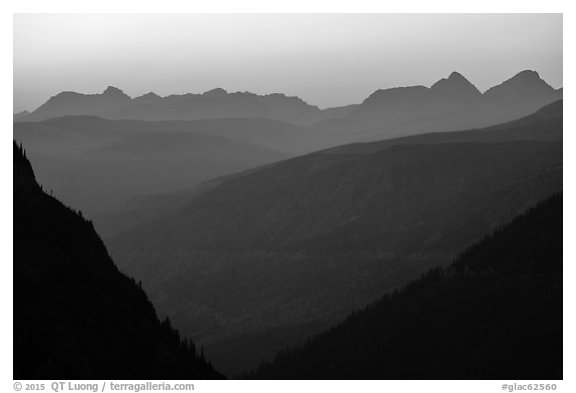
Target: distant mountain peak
456,75
113,91
524,84
456,86
217,92
148,97
67,93
281,97
527,75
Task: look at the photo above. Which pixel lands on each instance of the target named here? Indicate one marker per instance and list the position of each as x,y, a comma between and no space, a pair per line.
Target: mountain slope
456,87
282,185
495,313
450,104
75,315
544,125
525,85
303,242
70,103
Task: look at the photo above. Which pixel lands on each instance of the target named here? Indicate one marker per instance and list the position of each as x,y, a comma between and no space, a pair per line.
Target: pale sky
326,59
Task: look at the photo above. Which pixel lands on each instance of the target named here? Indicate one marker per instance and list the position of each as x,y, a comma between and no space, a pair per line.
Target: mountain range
449,104
99,152
113,103
452,103
259,260
257,221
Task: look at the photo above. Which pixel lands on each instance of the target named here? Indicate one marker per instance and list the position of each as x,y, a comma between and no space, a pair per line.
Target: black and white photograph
287,196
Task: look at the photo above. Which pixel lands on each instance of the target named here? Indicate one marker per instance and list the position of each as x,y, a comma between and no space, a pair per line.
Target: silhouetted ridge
451,103
395,93
495,313
527,75
23,174
523,85
216,93
114,91
456,87
75,315
149,98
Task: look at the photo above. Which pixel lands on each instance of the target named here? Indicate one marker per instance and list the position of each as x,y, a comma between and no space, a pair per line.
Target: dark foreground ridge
75,315
495,313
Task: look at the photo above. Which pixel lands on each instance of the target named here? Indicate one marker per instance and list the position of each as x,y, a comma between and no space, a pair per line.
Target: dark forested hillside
75,315
495,313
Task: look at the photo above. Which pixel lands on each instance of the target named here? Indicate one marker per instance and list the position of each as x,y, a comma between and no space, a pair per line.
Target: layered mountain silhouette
524,85
75,315
98,165
71,103
213,104
259,260
255,221
494,313
451,103
456,87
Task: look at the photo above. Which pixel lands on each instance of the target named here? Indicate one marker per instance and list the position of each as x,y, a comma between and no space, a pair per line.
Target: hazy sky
326,59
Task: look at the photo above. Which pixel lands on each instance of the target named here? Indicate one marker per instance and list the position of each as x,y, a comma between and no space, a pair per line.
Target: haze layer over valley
101,164
261,260
300,196
253,225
